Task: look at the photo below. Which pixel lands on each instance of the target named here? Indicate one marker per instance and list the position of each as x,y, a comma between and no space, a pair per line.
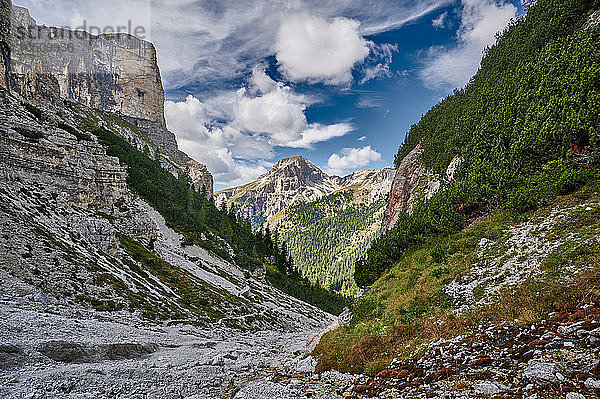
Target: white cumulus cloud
440,22
352,158
318,133
480,21
222,148
316,49
235,133
277,112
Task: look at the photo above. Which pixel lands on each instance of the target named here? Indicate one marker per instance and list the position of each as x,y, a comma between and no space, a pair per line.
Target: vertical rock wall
5,21
117,72
413,183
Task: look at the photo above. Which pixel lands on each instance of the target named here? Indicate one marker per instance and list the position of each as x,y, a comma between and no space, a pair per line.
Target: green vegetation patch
29,134
191,293
323,238
526,127
79,135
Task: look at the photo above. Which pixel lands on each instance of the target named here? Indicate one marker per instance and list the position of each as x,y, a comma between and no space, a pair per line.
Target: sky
340,82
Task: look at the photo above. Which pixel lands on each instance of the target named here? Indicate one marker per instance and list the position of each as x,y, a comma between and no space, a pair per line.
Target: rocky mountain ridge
326,221
112,72
296,180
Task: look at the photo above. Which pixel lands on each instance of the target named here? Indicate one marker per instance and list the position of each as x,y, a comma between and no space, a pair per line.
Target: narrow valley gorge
468,269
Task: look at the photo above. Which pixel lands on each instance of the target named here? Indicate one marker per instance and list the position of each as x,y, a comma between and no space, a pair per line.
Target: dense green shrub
527,128
322,238
79,135
30,135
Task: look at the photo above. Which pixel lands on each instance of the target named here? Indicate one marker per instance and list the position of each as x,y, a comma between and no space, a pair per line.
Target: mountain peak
295,160
296,166
296,179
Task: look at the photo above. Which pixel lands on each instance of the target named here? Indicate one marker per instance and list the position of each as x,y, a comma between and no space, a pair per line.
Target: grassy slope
408,305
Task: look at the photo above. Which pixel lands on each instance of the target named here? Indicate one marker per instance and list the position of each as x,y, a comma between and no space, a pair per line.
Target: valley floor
48,350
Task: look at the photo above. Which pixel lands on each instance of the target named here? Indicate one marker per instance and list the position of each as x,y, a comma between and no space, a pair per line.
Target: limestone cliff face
412,183
410,180
67,214
116,73
85,177
5,12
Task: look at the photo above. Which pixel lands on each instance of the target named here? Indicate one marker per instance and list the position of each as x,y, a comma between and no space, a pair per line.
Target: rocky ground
554,359
48,350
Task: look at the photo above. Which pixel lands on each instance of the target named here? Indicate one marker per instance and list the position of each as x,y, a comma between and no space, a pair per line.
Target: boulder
486,389
542,373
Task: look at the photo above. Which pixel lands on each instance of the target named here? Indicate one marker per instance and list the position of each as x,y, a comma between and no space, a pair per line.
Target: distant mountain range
295,180
327,221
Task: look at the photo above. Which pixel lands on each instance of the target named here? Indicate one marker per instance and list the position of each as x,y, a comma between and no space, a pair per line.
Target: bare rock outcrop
296,179
412,183
112,72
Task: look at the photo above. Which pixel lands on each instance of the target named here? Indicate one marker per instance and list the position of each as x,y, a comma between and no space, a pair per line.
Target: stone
217,361
592,383
486,389
574,395
40,297
297,179
570,328
113,72
541,373
412,182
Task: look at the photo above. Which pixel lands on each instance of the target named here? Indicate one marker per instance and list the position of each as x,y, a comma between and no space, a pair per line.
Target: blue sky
338,82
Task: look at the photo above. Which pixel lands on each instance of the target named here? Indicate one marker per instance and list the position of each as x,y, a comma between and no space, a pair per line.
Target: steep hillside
522,122
327,222
75,227
490,307
325,237
488,284
97,209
